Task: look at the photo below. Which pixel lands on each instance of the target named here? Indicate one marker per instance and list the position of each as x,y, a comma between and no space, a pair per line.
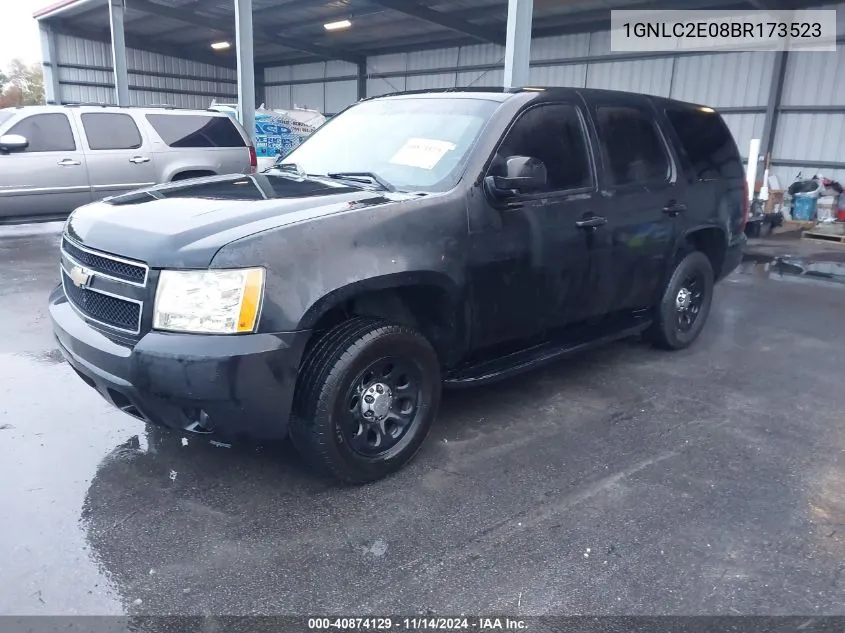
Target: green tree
21,84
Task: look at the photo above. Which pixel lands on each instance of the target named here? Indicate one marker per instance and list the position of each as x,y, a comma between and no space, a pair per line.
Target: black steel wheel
685,304
366,396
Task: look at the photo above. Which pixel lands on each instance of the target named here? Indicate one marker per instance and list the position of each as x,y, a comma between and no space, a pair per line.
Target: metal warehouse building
793,101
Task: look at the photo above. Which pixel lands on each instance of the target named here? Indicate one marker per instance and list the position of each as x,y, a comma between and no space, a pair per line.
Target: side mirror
524,175
13,143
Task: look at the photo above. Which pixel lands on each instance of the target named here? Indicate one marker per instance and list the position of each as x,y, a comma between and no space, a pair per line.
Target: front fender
313,265
405,279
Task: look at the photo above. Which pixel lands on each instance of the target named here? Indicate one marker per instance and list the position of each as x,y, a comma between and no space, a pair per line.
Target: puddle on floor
794,269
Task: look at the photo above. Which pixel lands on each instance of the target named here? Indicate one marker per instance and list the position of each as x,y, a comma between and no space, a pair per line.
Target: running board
530,358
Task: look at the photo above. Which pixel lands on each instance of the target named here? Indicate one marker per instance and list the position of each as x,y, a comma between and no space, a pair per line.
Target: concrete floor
629,481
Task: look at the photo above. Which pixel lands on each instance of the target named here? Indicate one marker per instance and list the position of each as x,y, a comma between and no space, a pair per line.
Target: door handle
68,162
139,159
674,209
591,223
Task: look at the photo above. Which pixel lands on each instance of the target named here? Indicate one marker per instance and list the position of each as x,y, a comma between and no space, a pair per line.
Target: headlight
209,301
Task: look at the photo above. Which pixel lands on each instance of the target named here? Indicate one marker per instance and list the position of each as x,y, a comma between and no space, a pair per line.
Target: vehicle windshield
414,144
5,115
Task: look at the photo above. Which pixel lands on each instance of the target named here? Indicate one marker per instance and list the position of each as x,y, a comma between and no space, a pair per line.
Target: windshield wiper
293,167
362,176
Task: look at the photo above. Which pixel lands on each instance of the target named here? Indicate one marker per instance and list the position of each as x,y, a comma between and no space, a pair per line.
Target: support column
50,64
246,66
260,88
518,44
118,51
770,123
362,80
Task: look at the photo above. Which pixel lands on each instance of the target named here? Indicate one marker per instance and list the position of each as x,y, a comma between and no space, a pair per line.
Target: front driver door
49,178
529,259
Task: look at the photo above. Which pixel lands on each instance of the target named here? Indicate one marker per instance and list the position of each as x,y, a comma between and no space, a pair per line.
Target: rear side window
111,131
46,133
707,143
554,134
632,149
196,130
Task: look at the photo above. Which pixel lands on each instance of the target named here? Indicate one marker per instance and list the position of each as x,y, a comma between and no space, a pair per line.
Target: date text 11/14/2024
420,623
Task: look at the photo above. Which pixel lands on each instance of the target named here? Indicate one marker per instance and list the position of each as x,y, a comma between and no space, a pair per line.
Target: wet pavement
628,481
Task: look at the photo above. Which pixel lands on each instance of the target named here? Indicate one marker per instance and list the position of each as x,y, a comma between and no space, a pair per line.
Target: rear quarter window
196,130
707,143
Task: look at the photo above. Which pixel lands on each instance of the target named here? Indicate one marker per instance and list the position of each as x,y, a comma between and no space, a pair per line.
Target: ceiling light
219,46
335,26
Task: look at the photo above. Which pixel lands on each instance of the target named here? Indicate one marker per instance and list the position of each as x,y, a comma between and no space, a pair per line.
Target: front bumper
239,385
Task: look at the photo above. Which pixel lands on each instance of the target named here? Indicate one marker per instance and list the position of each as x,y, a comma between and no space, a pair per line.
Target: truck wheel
685,304
366,395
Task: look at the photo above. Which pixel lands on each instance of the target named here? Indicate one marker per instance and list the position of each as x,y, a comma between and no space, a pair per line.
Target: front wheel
366,396
685,304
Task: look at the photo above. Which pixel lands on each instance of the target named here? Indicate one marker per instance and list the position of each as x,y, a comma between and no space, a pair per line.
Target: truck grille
106,309
107,265
105,289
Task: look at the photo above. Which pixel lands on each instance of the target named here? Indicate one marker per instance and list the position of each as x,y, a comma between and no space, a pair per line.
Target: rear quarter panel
172,161
714,203
218,160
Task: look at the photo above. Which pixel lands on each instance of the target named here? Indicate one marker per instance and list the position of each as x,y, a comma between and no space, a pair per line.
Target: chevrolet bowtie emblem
80,276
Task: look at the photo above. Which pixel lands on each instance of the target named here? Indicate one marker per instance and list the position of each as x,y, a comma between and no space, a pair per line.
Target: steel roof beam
482,33
261,34
141,44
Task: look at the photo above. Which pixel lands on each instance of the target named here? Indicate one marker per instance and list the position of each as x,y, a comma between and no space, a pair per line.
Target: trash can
804,206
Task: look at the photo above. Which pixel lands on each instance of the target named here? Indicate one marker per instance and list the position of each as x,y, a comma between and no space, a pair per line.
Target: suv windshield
5,115
416,144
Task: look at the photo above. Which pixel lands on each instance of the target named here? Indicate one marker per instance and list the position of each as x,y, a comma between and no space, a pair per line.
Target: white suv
56,158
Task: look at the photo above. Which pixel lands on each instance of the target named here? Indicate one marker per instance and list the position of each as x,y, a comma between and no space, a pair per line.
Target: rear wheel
366,396
683,309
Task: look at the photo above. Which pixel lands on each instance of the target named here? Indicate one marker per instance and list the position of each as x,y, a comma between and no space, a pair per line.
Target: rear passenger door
49,177
640,200
119,158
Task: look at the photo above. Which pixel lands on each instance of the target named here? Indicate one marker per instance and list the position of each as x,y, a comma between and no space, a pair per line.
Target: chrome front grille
107,265
105,309
105,289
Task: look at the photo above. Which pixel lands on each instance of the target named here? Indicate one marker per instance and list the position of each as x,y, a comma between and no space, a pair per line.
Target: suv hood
184,224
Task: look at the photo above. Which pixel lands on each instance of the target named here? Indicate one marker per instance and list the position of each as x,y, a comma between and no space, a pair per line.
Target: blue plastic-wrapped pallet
804,206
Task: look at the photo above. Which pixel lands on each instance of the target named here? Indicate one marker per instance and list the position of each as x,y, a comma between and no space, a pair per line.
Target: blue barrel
804,207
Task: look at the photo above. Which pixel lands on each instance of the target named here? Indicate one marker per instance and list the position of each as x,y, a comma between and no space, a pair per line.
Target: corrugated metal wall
817,80
306,86
85,75
734,80
738,83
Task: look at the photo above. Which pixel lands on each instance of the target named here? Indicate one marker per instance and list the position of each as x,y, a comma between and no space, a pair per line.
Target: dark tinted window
111,131
196,130
553,134
707,143
46,133
632,149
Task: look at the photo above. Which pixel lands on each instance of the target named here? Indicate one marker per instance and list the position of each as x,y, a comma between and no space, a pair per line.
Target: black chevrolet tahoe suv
416,241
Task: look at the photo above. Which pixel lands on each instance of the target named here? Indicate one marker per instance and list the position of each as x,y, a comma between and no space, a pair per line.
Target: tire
342,370
671,329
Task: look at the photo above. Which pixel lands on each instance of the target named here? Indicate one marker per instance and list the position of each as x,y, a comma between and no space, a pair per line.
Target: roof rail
76,104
